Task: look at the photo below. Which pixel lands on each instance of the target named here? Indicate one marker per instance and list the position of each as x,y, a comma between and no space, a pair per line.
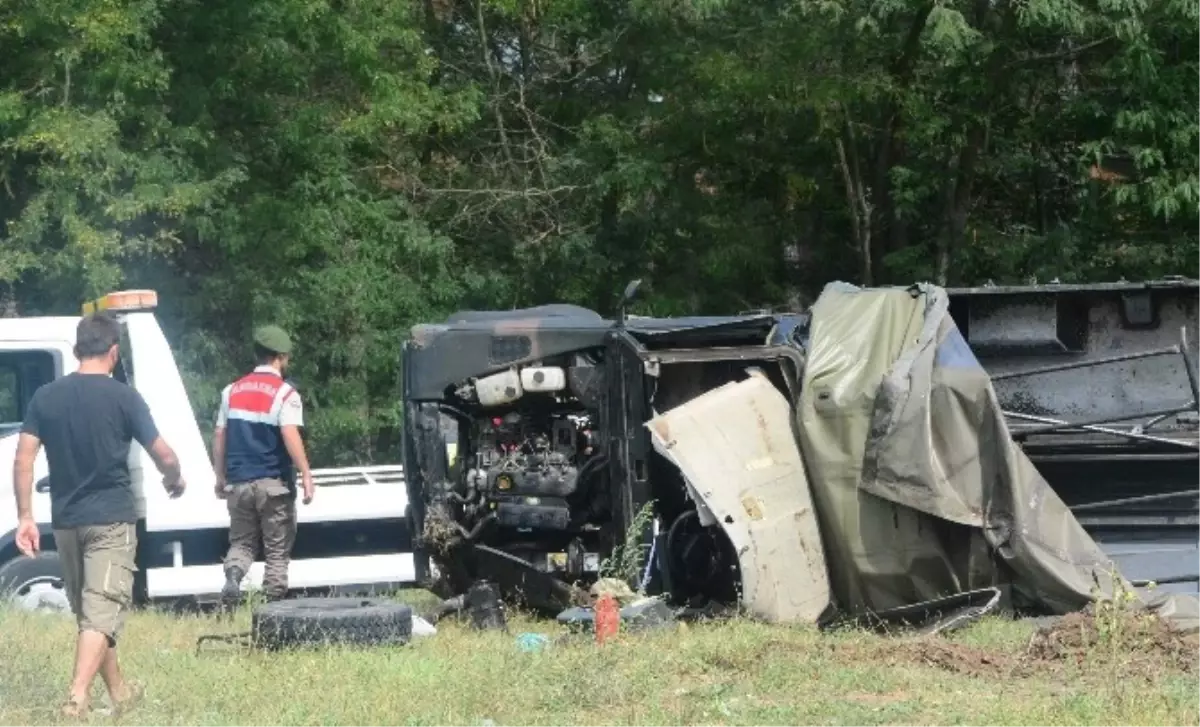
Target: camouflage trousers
262,512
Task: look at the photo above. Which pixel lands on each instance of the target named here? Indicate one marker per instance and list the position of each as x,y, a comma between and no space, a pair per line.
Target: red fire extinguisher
608,618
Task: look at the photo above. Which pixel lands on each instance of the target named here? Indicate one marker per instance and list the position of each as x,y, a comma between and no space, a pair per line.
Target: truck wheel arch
8,543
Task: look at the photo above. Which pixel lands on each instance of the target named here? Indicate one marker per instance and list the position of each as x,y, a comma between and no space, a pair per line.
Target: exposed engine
526,467
518,457
531,451
528,492
552,482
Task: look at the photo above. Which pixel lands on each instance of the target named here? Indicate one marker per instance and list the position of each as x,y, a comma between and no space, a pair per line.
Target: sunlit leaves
948,31
348,168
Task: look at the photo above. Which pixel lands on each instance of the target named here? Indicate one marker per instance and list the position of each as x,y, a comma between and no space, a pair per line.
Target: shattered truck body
553,462
1115,355
852,459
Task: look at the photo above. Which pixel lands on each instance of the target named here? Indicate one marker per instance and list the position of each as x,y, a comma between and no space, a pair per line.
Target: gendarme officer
257,453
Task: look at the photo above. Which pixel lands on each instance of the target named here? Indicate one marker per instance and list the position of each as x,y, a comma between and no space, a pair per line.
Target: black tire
325,621
19,575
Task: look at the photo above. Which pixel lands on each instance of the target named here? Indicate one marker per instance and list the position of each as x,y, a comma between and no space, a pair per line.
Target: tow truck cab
354,535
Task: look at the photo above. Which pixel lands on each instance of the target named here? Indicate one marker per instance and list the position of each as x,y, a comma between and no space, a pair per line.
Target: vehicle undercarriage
1099,384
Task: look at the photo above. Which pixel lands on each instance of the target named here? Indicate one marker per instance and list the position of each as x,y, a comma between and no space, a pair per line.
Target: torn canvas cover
919,487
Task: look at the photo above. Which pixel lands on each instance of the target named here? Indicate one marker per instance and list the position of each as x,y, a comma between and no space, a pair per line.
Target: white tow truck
353,536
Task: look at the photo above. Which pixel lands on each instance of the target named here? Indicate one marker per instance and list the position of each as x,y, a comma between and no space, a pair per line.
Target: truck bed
1116,355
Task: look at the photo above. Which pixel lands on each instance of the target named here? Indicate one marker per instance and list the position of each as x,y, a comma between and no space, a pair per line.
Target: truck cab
353,536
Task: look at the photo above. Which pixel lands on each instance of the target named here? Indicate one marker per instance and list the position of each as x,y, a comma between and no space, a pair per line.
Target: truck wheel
322,621
34,584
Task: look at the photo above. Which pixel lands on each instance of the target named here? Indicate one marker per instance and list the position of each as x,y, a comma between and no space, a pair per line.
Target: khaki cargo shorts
98,566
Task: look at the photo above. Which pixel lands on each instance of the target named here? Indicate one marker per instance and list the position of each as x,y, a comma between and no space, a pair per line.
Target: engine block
516,457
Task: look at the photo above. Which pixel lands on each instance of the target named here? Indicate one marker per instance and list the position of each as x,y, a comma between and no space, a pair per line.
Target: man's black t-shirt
86,422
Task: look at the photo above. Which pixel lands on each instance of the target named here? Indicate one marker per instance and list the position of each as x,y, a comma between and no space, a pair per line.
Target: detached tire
325,621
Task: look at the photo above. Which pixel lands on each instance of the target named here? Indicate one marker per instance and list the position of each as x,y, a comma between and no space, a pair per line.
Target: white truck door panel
734,446
8,506
19,357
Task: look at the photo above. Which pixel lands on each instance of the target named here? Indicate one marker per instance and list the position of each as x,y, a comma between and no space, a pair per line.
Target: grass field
720,673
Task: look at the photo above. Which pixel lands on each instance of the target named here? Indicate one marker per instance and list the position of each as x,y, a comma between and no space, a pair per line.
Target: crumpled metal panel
735,447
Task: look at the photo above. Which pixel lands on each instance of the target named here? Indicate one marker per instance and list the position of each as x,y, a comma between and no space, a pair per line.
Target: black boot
231,593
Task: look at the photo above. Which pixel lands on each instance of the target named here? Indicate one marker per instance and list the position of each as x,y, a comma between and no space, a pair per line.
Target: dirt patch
933,651
1139,639
953,657
1138,644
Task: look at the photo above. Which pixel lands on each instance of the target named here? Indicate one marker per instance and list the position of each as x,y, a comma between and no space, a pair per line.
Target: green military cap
273,338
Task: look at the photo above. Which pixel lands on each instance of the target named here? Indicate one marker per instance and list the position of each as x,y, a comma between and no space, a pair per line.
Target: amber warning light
124,300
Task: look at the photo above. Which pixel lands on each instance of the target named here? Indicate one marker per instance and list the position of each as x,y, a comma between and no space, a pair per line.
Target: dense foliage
348,167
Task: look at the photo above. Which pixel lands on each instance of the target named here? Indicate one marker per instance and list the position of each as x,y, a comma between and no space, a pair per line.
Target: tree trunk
8,301
890,232
859,207
957,208
961,177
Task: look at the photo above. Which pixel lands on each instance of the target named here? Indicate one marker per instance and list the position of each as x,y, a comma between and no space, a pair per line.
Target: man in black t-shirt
86,421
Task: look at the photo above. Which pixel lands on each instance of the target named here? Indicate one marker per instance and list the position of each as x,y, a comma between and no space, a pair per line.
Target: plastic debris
531,642
422,628
647,613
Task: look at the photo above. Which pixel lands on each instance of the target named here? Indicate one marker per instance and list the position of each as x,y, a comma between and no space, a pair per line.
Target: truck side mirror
627,297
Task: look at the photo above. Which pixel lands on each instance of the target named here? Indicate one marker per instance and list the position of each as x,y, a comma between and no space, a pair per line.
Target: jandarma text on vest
262,387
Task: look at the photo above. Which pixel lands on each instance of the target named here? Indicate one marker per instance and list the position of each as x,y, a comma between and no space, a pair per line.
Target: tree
347,168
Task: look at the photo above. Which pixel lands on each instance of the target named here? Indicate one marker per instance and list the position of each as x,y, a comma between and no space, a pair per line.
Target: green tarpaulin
919,488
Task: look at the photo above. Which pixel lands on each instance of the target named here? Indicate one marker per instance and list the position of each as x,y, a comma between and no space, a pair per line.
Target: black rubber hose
585,470
479,526
455,412
672,536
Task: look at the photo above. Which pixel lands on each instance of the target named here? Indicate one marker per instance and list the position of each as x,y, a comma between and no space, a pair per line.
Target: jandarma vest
254,446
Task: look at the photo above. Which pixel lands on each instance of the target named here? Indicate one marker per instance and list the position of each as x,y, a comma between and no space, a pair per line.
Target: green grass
720,673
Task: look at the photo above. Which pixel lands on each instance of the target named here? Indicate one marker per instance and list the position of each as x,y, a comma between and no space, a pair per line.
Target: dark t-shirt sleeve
141,424
32,422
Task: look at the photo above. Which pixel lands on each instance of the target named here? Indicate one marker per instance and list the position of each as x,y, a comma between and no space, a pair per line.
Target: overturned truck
852,459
